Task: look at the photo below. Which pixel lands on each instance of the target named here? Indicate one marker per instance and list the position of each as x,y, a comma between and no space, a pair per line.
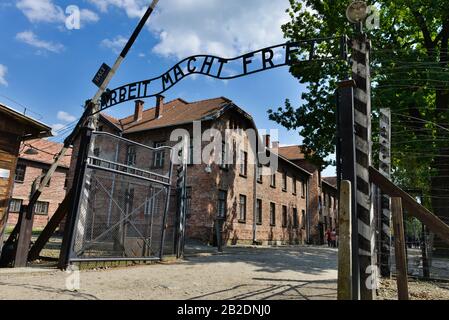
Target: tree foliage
410,75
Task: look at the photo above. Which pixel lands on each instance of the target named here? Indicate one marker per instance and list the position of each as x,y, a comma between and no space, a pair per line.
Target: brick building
35,158
14,128
254,203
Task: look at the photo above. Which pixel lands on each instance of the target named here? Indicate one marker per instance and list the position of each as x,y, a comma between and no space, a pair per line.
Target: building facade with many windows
35,159
241,200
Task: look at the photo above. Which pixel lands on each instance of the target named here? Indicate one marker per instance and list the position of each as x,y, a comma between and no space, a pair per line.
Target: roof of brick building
292,152
174,112
44,151
331,181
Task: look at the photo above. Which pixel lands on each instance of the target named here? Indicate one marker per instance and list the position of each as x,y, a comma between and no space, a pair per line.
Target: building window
284,181
295,218
259,211
284,216
294,185
222,196
15,205
303,218
273,180
324,199
44,173
329,201
244,163
224,159
303,189
131,156
259,173
272,214
20,173
41,208
159,156
242,208
66,181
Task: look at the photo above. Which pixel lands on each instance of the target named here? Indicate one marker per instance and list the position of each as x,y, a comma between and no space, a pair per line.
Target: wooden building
14,129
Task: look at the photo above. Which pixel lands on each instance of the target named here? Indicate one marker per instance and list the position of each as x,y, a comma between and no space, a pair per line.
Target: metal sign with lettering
101,75
220,68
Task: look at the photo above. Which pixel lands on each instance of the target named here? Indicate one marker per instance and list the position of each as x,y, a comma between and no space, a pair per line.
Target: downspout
308,210
255,197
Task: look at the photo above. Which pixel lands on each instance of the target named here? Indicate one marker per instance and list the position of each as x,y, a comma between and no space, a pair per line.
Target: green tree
410,74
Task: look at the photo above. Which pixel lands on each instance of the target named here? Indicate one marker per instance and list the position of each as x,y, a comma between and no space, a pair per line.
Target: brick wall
205,188
54,194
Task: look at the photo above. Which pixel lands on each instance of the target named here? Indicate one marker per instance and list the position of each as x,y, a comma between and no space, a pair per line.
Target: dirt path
239,273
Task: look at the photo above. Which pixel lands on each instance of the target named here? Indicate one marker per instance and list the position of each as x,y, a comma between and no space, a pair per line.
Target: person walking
334,238
328,237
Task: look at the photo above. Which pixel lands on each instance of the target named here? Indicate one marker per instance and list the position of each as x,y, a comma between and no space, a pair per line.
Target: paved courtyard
238,273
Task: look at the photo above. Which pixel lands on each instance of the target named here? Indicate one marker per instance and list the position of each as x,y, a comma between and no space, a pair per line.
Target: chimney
275,145
266,140
159,106
138,111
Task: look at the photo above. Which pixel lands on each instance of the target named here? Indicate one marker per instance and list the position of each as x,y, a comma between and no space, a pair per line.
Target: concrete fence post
344,245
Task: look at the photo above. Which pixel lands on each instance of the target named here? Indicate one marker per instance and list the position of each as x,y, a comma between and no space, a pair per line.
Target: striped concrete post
385,169
362,118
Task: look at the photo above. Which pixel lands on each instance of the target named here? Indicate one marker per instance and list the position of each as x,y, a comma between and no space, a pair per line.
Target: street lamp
357,11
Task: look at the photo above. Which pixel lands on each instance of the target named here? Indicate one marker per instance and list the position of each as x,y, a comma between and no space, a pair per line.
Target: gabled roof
43,151
292,152
331,181
33,127
174,112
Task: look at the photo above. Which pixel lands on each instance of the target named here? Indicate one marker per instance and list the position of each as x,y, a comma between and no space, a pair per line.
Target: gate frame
67,253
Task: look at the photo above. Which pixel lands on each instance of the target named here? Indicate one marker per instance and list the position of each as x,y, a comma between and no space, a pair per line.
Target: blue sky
48,68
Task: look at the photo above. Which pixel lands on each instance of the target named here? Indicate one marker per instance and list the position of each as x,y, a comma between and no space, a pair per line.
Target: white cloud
56,127
47,11
133,8
3,72
224,28
115,44
41,10
88,16
64,116
30,38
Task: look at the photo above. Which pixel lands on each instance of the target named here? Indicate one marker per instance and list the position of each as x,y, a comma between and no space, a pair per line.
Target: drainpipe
308,211
255,197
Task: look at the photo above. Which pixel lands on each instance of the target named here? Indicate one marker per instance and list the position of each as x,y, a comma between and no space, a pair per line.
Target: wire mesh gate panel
124,205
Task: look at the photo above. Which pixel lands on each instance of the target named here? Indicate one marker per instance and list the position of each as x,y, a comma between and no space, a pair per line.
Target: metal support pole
77,189
346,167
362,121
344,242
399,243
385,169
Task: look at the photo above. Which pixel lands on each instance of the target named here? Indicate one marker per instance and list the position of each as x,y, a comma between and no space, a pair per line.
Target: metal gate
124,207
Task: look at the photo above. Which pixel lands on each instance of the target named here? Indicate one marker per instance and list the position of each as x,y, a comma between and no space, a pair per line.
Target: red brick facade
35,164
299,224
